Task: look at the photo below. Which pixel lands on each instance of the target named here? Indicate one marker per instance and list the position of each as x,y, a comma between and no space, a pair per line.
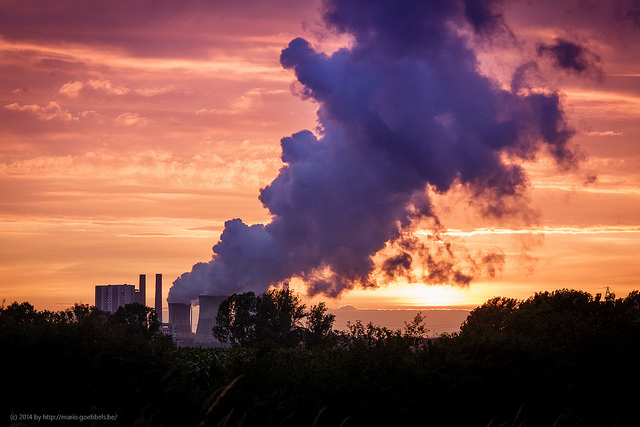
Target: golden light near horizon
421,295
406,296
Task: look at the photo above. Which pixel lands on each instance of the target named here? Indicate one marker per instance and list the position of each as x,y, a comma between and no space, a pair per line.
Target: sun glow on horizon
408,295
423,295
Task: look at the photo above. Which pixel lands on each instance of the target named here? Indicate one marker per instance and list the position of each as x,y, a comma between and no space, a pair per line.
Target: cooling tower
180,321
207,320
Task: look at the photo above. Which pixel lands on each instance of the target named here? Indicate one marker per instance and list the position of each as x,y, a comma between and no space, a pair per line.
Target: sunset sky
130,131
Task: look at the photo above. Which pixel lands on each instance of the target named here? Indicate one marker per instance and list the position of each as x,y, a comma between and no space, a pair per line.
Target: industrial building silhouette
110,297
181,327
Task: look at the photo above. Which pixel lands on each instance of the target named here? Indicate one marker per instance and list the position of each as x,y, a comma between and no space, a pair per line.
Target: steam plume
402,110
572,57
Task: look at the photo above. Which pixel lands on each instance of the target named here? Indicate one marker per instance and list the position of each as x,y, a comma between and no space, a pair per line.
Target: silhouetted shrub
562,358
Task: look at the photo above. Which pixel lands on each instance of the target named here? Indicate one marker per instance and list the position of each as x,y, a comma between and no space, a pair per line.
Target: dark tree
137,317
236,320
319,326
490,317
279,314
415,332
273,319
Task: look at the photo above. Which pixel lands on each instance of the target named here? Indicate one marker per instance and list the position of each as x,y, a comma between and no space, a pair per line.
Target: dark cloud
633,13
403,110
610,26
483,16
571,57
398,265
433,259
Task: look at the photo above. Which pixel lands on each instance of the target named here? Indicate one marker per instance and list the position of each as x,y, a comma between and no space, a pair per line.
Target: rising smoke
572,57
402,112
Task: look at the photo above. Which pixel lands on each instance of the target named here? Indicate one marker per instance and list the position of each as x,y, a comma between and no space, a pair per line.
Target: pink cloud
106,86
49,112
132,119
74,89
150,28
71,89
604,133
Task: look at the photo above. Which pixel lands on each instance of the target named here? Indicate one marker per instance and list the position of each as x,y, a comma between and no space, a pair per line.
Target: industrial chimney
207,320
180,322
159,297
142,290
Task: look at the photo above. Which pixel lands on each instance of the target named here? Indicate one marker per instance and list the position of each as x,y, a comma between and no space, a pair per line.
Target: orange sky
131,131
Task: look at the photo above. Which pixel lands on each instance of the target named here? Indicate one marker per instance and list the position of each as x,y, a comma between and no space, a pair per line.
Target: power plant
111,297
180,322
180,326
207,320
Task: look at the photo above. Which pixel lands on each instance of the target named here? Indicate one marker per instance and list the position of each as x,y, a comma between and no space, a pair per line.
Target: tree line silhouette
560,358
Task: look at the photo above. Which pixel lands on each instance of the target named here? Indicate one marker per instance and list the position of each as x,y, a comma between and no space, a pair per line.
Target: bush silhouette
559,358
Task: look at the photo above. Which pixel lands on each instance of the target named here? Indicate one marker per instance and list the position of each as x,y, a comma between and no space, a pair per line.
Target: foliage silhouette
273,319
557,358
319,328
83,360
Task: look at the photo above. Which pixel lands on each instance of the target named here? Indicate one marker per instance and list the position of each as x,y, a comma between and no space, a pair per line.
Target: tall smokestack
159,297
142,289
